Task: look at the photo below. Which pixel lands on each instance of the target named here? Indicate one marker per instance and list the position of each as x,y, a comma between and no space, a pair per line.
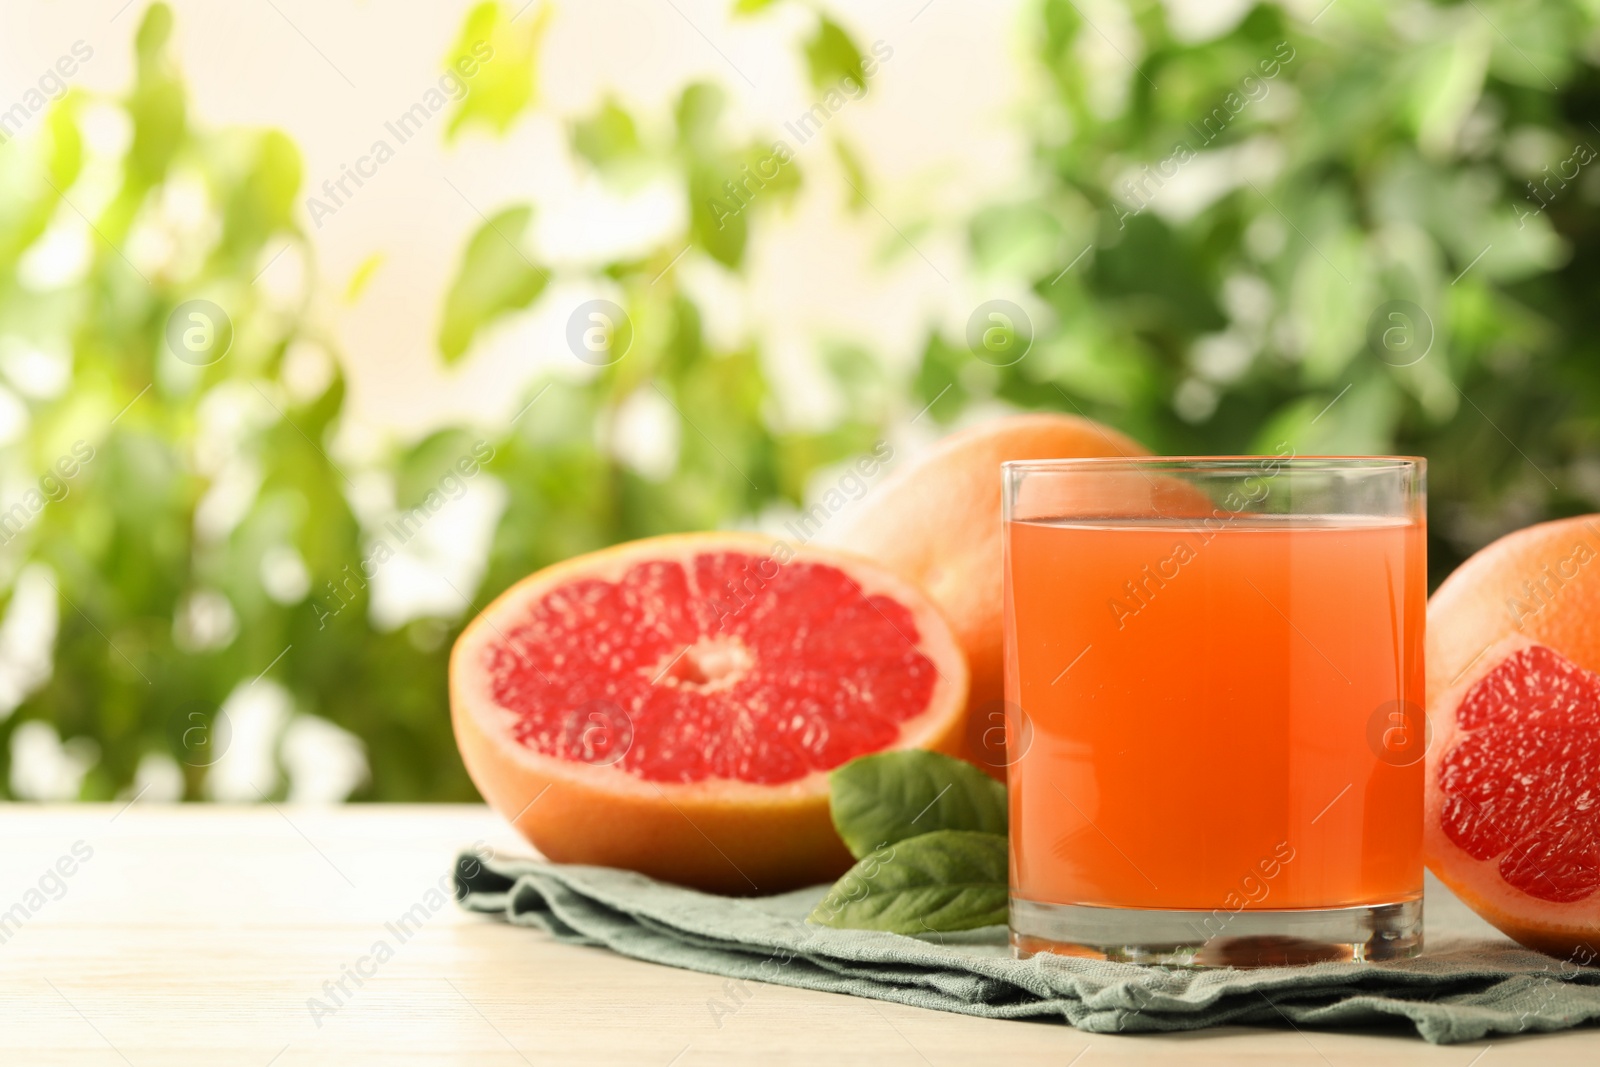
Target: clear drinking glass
1214,687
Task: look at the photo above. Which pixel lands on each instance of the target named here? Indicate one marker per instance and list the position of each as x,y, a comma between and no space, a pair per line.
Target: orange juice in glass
1214,687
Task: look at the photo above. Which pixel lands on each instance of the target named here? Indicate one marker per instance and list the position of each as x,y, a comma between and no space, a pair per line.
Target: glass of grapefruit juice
1214,690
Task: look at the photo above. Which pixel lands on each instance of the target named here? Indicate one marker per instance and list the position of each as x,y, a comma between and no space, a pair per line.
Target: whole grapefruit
1513,801
673,705
937,521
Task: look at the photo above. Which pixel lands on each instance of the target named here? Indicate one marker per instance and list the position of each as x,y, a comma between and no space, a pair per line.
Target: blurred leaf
66,144
1449,85
724,182
716,218
361,277
854,172
495,277
607,138
263,202
1151,265
496,59
833,57
157,105
1015,239
938,388
698,111
431,462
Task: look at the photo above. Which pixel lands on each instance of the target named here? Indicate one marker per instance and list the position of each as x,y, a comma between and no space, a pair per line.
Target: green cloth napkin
1471,981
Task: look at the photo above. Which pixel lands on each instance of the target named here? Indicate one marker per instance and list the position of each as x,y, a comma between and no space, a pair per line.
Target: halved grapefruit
1513,804
937,521
673,705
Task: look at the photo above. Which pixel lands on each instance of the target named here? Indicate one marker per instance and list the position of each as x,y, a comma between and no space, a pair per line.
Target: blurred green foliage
1217,297
1245,205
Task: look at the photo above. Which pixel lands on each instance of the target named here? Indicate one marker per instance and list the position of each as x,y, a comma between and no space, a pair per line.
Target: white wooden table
197,935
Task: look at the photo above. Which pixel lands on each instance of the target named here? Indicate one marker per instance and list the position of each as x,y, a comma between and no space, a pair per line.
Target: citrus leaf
944,881
495,277
891,796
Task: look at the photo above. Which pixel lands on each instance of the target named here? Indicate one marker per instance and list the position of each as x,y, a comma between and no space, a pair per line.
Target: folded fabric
1469,983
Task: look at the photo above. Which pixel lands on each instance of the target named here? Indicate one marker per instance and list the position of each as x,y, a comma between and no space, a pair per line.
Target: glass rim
1227,464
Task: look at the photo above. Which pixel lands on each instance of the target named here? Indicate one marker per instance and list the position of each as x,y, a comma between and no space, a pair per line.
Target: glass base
1254,938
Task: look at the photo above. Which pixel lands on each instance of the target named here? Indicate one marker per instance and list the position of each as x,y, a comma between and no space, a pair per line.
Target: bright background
1224,227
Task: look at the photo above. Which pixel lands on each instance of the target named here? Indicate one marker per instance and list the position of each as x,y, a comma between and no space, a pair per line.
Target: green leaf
938,386
66,144
496,276
495,59
855,173
157,105
881,799
362,277
716,219
607,138
696,117
944,881
263,202
437,464
1015,239
833,57
155,31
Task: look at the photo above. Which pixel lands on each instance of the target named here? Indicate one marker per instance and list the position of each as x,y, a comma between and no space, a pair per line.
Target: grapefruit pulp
1513,802
937,521
673,705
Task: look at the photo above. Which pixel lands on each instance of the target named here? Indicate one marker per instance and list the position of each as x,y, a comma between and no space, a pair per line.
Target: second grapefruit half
1513,802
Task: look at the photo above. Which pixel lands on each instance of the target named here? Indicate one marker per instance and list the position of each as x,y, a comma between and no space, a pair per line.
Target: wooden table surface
197,935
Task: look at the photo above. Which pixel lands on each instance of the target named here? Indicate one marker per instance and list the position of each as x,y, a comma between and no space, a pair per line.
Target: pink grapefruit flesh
1521,783
1513,793
675,703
